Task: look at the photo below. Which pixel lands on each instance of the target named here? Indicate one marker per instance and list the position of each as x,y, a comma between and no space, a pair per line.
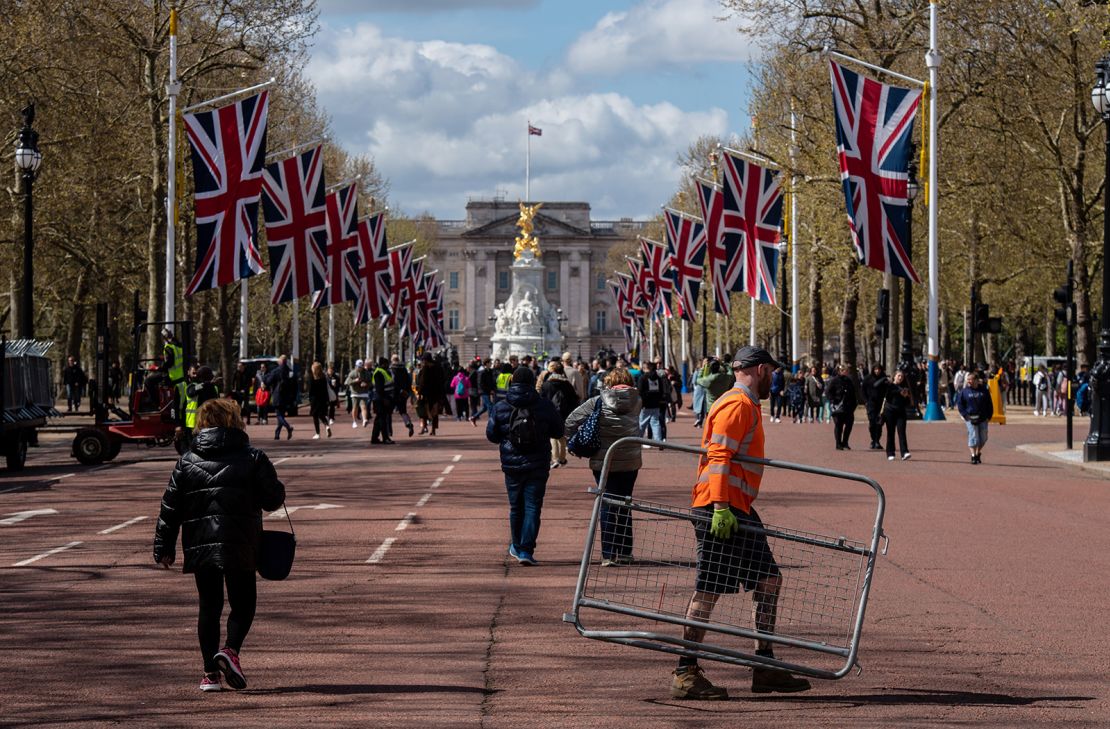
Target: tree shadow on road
354,689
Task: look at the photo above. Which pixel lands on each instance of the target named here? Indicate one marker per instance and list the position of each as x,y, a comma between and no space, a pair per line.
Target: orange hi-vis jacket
734,426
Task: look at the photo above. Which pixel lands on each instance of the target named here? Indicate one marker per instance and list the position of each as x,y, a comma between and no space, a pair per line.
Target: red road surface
989,610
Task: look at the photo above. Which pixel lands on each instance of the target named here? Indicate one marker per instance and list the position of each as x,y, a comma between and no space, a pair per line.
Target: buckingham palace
474,257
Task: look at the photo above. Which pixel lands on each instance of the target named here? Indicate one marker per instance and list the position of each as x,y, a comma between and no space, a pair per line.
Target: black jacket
653,387
548,422
558,390
283,386
842,395
318,399
215,498
874,391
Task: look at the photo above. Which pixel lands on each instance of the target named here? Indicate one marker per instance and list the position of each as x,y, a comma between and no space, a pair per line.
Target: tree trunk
201,302
816,318
849,314
227,328
76,330
893,351
1085,340
156,233
1050,333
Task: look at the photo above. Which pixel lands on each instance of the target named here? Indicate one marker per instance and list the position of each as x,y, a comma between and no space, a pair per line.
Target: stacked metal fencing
638,594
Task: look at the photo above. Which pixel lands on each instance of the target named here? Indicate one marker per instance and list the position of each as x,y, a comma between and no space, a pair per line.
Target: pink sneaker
211,682
228,661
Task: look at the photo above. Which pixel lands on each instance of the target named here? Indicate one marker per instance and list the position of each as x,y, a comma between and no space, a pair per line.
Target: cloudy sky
439,92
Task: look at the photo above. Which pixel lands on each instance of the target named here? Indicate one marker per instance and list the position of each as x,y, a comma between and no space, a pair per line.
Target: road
404,610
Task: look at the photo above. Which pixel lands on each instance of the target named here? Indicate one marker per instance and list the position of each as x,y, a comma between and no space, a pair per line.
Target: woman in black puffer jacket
215,498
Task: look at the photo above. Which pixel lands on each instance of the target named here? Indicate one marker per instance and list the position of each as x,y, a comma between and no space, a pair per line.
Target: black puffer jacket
215,497
548,422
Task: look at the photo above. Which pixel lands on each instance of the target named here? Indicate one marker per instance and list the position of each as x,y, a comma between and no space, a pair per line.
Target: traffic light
1065,311
982,321
882,317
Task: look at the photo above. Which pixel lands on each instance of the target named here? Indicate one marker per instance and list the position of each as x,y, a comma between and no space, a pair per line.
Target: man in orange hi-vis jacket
730,557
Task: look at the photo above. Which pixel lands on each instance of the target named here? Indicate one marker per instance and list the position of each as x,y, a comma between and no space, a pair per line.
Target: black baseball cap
751,356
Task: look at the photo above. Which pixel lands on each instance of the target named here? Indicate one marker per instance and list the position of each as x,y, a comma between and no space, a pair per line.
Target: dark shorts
745,559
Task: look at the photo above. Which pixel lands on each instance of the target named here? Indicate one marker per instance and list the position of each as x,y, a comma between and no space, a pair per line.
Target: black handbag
586,441
275,557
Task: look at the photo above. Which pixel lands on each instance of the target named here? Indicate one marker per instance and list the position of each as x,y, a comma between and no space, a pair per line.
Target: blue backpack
586,441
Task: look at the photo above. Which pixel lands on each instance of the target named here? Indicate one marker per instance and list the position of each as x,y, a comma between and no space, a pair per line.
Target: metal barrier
651,574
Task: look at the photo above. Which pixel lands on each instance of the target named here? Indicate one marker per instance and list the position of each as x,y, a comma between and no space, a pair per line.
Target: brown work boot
770,680
691,683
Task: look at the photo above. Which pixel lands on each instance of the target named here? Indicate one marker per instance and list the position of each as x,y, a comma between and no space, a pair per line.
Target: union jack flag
296,225
658,264
436,336
874,126
642,294
416,323
229,150
686,247
626,304
725,269
342,253
375,285
400,276
624,315
753,209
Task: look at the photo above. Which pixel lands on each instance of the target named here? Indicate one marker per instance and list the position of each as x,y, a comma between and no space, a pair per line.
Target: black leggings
842,428
895,423
241,596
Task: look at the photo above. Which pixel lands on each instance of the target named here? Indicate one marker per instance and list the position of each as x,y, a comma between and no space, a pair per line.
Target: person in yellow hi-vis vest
730,557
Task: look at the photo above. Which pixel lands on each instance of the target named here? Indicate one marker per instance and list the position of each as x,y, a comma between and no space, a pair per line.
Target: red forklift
152,417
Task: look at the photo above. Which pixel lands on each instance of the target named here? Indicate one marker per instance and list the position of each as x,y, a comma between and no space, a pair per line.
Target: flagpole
295,350
932,60
331,334
717,335
368,343
172,90
243,319
751,325
685,355
666,342
793,243
528,162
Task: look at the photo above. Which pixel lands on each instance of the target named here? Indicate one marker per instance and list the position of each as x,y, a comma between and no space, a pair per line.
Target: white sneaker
906,456
354,424
316,437
890,458
364,422
331,421
329,431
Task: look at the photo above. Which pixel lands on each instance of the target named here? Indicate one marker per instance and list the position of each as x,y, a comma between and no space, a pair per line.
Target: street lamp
1097,445
912,190
27,161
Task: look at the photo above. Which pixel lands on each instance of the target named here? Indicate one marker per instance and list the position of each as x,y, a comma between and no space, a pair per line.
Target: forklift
154,404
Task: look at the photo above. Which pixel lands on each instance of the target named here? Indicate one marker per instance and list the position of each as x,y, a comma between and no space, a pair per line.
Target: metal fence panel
642,599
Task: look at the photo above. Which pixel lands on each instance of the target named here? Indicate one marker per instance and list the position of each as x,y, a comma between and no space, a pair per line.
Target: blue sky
439,92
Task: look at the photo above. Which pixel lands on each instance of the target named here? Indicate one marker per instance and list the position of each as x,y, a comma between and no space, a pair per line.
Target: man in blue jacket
523,425
977,409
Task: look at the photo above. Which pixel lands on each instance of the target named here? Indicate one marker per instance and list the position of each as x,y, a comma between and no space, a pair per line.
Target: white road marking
448,469
457,458
37,557
18,516
404,523
280,513
280,461
64,475
124,525
423,499
379,553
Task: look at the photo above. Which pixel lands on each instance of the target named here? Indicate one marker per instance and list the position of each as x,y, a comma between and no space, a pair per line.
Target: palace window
453,319
552,280
453,280
600,321
601,282
503,280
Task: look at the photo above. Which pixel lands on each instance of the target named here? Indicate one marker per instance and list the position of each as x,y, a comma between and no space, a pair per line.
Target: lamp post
1097,445
912,189
27,161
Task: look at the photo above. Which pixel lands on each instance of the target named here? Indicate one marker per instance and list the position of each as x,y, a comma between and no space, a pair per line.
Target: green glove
724,524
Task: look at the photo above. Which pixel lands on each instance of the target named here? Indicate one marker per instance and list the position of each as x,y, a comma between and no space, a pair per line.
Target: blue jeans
653,418
976,434
526,490
699,401
487,406
616,521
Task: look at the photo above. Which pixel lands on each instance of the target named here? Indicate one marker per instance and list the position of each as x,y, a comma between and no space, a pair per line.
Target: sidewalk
1058,452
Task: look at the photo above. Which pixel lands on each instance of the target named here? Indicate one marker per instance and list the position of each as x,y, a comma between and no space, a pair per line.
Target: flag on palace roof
686,245
342,252
753,209
296,225
874,129
535,131
375,284
229,151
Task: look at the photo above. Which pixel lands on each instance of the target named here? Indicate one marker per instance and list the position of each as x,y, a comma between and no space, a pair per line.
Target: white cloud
658,33
447,120
416,6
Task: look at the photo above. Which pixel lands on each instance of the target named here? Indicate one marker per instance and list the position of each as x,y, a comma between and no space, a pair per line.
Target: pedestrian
1041,392
842,406
241,385
577,381
460,387
561,394
815,391
320,398
674,399
402,391
487,388
796,398
652,394
74,379
215,498
475,390
284,398
381,399
502,381
778,394
334,385
619,418
874,395
430,384
897,405
730,557
358,390
523,425
262,402
976,408
115,383
198,391
716,381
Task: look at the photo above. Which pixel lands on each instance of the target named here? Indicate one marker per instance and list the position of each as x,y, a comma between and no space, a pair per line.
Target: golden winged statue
526,241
